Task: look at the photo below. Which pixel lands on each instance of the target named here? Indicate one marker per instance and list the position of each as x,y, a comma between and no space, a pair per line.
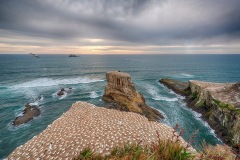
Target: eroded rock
29,112
121,90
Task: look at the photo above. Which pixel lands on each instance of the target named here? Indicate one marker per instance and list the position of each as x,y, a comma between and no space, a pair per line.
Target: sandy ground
86,125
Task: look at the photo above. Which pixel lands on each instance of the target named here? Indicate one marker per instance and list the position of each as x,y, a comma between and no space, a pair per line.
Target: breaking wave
37,101
160,98
46,82
154,92
187,75
93,94
198,117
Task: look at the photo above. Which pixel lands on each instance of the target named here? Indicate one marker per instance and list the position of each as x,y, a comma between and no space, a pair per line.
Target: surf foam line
154,92
198,117
187,75
160,98
46,82
196,114
93,94
171,91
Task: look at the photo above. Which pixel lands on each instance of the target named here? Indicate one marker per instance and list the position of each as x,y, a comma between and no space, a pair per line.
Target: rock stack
121,92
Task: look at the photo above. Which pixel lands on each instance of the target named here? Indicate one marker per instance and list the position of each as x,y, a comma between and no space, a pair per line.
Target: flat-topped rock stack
121,90
85,125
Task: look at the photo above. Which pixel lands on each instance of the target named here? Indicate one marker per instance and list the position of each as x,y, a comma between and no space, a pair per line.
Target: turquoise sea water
24,78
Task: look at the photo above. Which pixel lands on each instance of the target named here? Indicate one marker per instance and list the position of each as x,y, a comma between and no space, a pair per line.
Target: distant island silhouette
34,55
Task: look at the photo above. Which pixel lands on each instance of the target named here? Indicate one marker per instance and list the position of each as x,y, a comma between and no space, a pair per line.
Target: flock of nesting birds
85,125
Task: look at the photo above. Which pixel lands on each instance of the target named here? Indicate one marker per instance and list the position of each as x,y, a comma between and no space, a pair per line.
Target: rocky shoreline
217,102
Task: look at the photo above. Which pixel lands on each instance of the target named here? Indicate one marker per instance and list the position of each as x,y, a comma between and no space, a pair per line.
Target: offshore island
129,120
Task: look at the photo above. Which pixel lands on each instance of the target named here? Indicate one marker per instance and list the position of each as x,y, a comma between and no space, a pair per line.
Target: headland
219,104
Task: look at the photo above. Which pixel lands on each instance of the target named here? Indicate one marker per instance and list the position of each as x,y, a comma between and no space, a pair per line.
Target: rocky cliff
121,91
218,102
221,102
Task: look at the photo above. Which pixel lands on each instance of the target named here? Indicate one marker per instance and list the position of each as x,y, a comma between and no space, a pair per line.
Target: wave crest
93,94
46,82
187,75
154,92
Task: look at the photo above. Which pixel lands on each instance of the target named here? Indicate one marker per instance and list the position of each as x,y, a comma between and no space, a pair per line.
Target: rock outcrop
64,91
121,90
28,113
177,86
219,104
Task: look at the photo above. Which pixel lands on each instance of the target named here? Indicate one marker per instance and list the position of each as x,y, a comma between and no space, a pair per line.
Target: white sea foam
63,96
46,82
38,101
196,114
198,117
93,94
187,75
154,92
160,98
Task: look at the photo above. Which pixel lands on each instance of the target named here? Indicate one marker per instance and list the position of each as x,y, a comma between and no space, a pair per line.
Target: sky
120,26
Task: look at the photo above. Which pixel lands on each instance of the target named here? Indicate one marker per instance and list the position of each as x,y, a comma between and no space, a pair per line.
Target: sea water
26,79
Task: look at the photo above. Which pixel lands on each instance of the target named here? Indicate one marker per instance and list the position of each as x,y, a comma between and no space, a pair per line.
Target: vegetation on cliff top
170,149
164,150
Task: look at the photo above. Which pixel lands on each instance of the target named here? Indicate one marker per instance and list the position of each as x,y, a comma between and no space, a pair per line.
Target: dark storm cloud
135,21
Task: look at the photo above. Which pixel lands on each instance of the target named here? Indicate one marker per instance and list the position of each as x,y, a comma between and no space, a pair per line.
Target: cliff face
221,104
121,90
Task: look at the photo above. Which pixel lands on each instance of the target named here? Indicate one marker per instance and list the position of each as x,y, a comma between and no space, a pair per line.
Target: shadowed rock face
121,90
28,113
177,86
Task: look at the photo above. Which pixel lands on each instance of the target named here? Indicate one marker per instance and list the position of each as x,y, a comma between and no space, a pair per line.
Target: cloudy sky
120,26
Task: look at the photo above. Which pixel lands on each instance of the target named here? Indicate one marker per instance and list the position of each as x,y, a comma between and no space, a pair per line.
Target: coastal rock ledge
85,125
121,91
219,104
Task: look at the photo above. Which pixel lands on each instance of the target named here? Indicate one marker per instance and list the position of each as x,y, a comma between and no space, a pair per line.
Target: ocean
26,79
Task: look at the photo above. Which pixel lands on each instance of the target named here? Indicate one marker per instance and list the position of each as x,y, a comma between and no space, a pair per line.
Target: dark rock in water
64,91
121,91
28,113
61,92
